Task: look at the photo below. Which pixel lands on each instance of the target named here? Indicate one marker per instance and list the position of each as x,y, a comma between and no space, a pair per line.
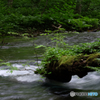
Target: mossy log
63,69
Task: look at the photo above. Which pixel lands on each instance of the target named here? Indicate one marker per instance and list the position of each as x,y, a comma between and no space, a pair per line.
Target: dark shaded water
23,84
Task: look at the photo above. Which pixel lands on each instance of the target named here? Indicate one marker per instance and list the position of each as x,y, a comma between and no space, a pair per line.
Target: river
24,84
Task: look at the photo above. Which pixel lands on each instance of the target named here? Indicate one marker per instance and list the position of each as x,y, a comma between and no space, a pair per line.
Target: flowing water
24,84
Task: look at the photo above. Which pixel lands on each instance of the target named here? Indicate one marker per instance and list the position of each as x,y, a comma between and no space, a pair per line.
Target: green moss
93,56
66,60
93,60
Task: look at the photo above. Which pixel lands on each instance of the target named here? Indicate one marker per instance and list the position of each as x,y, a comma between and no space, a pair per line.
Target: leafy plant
9,65
83,23
87,48
53,52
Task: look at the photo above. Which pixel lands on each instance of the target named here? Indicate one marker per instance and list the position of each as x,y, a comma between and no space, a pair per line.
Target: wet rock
63,69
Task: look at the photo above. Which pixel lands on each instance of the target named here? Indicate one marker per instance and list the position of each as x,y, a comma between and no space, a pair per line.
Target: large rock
63,69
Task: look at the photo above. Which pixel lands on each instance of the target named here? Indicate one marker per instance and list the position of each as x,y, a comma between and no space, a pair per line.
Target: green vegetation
31,17
8,64
34,16
56,53
73,60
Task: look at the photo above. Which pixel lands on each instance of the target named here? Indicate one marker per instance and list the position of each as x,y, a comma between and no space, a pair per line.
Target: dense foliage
27,16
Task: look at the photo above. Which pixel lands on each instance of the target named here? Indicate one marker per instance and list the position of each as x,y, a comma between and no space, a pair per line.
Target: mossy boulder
63,69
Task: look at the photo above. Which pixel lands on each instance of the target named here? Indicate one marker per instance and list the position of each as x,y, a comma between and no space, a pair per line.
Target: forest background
34,16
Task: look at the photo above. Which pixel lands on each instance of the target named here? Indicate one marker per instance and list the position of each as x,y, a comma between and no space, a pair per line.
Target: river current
24,84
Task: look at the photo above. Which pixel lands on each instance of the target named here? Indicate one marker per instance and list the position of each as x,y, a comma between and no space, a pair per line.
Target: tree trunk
78,6
10,2
44,7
